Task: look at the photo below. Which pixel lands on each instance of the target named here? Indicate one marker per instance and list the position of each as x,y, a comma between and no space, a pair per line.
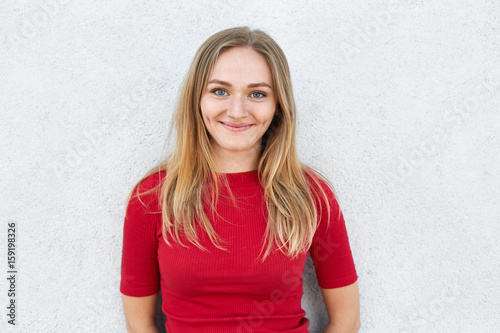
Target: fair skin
237,107
342,305
140,313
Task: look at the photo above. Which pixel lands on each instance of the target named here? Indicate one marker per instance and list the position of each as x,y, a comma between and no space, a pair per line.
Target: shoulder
323,194
145,194
151,181
319,183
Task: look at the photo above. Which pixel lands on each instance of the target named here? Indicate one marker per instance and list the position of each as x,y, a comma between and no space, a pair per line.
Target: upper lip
235,125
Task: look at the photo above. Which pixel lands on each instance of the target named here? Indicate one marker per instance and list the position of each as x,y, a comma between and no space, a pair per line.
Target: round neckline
238,179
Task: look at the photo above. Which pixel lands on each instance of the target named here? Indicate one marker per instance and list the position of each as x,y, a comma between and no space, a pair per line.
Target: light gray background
398,104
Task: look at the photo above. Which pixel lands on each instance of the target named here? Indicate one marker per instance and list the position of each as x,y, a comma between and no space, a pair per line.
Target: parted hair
293,191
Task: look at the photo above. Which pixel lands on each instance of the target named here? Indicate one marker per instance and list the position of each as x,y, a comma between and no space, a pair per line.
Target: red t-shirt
232,291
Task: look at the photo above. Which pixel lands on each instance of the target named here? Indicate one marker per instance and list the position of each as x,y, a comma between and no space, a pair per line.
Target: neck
235,162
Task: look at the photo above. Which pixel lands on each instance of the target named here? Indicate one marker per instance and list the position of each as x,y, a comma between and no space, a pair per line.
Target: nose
237,107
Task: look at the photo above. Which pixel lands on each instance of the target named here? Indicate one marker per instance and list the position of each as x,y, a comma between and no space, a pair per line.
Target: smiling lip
236,127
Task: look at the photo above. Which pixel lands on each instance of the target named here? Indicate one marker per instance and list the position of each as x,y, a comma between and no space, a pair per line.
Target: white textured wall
398,105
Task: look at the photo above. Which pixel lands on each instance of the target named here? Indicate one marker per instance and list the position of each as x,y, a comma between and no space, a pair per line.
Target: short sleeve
330,250
139,267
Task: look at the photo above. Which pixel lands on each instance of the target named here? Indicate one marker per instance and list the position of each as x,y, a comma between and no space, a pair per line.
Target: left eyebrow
260,84
251,85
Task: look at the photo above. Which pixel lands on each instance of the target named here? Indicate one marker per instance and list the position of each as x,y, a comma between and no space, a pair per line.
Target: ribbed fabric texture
218,291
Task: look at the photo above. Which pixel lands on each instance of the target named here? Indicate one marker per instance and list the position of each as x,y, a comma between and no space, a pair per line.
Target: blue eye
219,92
258,94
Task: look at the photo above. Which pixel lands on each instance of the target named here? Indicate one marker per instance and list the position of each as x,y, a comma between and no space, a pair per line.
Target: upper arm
342,305
140,280
330,249
142,228
335,269
140,312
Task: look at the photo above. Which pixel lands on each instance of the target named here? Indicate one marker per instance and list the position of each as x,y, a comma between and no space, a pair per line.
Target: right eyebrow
224,83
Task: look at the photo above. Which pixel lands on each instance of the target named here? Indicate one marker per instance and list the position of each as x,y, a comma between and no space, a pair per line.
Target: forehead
241,64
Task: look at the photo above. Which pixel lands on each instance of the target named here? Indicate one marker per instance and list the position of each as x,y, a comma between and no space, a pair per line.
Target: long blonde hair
292,200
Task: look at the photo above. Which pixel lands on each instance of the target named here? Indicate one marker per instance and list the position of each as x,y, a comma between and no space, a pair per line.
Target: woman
224,225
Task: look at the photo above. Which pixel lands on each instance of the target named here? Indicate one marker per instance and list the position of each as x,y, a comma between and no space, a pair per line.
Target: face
238,103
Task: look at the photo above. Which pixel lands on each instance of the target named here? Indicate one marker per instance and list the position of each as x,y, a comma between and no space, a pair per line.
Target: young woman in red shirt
224,224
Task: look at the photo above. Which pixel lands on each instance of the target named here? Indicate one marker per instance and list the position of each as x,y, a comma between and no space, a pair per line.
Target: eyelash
255,92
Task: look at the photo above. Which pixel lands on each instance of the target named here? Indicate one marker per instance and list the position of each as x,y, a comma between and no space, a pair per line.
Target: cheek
266,115
208,109
205,111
